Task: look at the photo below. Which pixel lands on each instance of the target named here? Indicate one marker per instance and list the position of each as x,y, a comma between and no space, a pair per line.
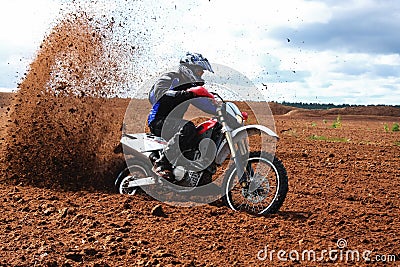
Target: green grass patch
337,123
329,139
395,127
386,127
397,143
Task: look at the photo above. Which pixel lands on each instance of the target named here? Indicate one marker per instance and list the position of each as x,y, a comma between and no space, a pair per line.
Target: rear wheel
268,185
136,170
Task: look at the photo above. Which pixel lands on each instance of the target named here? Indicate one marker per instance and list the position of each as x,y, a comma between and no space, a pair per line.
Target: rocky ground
343,196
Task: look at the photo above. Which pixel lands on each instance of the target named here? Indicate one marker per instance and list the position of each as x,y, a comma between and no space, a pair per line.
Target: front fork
238,153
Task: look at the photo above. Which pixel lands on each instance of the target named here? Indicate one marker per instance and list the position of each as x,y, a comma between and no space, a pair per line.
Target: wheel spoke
265,179
131,173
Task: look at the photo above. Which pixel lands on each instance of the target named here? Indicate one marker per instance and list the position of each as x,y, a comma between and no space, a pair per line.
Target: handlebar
217,95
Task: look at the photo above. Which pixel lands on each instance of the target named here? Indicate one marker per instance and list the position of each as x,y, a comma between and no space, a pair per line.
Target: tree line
328,106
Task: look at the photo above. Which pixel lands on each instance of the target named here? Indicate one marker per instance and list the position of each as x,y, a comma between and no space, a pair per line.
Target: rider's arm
203,100
205,104
169,85
161,86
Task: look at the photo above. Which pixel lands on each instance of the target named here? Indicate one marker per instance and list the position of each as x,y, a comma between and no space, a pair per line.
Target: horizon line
14,90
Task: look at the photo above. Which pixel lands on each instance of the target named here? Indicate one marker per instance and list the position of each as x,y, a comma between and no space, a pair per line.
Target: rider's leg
184,139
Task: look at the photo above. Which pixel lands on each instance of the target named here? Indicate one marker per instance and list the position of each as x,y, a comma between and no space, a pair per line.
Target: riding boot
162,167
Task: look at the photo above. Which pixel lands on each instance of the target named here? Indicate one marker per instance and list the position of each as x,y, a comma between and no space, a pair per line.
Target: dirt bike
255,181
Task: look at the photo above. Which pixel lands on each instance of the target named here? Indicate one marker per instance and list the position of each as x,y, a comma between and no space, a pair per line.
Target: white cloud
24,23
24,26
8,90
227,32
303,50
391,60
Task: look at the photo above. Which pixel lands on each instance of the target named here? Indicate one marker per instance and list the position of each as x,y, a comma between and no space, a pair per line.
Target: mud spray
61,134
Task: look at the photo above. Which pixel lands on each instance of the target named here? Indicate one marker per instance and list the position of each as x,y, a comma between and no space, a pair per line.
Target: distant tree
327,106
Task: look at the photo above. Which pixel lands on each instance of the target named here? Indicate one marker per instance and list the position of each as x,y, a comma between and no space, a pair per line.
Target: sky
320,51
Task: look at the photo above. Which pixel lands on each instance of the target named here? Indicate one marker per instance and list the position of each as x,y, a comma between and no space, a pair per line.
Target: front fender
244,131
255,129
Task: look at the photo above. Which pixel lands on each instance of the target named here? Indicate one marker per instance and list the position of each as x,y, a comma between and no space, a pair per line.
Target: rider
171,96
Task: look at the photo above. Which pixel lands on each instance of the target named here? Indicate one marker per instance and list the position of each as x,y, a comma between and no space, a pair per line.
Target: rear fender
141,145
142,142
242,132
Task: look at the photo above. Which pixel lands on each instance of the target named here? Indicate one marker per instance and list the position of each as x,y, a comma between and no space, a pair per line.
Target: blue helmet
195,60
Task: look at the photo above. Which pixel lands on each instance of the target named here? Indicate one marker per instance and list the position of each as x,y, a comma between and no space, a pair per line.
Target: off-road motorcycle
254,181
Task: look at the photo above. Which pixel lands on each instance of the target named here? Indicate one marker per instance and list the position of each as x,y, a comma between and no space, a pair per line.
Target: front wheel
267,185
136,170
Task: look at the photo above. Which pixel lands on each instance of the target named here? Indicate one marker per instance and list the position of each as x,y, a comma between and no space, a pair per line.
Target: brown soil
345,189
58,167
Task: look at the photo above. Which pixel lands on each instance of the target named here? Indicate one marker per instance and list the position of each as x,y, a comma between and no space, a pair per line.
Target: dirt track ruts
343,189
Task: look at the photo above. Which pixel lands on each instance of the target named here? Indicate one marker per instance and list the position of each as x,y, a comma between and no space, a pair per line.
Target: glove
200,91
245,115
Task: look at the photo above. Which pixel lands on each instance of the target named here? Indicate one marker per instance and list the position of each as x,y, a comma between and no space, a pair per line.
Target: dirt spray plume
60,133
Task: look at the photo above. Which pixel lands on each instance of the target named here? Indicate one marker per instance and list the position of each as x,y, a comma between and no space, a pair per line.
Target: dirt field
343,187
57,169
